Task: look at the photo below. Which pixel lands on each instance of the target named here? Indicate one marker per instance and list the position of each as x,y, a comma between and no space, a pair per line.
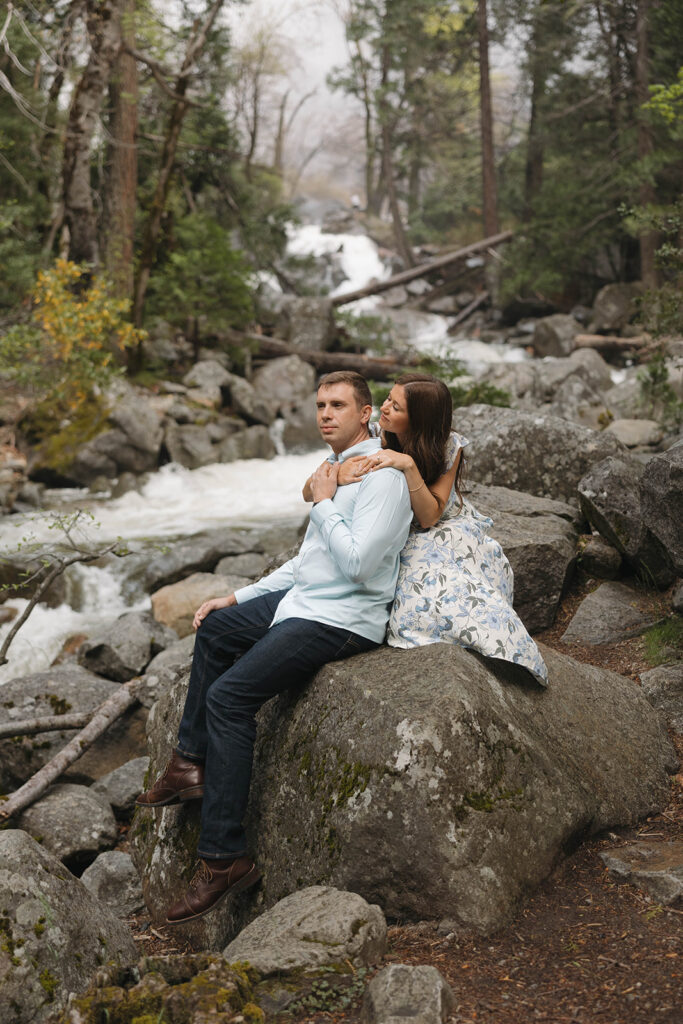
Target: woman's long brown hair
430,413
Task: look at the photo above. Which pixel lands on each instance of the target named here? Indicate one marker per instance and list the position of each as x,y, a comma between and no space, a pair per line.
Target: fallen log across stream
424,268
263,347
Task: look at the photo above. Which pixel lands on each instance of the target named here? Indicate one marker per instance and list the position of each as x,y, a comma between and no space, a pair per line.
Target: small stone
309,929
610,613
636,433
600,559
677,598
121,787
113,880
414,995
655,867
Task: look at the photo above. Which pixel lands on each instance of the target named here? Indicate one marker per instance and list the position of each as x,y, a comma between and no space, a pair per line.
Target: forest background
150,153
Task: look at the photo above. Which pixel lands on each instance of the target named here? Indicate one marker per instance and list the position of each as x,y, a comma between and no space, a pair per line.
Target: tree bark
102,718
424,268
120,194
488,169
179,109
646,189
264,347
533,170
51,723
103,26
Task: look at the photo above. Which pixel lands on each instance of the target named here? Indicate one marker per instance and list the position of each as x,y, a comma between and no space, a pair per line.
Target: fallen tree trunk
325,362
476,302
424,268
101,719
610,342
51,723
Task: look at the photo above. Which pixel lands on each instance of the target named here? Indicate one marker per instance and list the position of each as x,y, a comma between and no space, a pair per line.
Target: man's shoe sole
251,878
193,793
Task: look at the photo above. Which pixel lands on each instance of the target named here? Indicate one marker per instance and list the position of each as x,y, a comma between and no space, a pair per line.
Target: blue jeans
218,725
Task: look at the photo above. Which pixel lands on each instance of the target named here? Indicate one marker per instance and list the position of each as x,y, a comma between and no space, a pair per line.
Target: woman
455,584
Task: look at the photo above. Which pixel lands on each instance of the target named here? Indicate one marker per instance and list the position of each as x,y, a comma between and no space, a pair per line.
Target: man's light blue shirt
346,570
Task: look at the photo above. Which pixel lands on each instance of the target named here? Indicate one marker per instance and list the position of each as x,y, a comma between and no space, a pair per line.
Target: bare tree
488,170
646,191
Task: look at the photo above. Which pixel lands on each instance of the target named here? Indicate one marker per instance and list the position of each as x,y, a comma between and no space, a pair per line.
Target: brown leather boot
210,885
181,780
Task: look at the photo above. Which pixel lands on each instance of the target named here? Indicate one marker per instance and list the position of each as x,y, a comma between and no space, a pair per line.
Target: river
177,502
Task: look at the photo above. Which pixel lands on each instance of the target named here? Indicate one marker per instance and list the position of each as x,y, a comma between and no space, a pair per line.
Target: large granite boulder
176,604
554,335
72,823
634,508
307,323
113,879
121,649
253,443
285,384
530,452
410,776
612,612
189,445
130,441
315,927
65,689
55,934
150,567
540,538
615,305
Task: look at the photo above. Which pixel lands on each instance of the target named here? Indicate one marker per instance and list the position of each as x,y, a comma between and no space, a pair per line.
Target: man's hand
211,606
324,481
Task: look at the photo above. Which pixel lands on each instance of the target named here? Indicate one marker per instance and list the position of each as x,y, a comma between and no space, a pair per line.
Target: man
331,601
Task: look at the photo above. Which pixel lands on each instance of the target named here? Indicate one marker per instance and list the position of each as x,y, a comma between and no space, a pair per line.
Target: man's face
340,421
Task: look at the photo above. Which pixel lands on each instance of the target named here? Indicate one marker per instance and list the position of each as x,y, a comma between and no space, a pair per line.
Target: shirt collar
362,448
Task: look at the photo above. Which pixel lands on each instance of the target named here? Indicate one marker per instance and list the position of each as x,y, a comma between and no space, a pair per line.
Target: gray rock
121,787
60,690
165,669
614,306
625,400
151,567
404,994
189,445
58,933
584,363
661,501
71,822
554,335
636,433
432,749
579,402
537,454
397,296
655,867
308,323
284,385
309,929
663,687
246,401
539,537
121,650
113,880
612,612
133,416
252,443
447,304
600,559
300,431
611,499
206,374
677,598
176,604
251,564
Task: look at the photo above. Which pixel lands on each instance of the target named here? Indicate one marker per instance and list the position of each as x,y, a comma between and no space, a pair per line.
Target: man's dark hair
357,382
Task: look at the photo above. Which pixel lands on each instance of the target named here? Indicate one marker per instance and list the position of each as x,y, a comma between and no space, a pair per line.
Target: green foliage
72,346
664,642
202,277
448,370
330,993
363,332
657,395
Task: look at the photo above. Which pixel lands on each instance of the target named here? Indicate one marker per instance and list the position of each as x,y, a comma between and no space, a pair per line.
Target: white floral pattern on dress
455,585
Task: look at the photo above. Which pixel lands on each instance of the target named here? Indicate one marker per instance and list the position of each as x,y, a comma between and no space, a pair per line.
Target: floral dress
455,585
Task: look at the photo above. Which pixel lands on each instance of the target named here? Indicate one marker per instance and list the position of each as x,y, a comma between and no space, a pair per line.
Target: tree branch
102,718
32,726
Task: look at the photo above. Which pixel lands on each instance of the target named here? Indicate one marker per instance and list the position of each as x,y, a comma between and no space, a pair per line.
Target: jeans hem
221,856
188,756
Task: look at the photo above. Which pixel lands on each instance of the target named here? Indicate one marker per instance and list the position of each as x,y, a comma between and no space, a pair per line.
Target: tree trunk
400,237
103,24
533,171
488,169
120,194
177,115
646,190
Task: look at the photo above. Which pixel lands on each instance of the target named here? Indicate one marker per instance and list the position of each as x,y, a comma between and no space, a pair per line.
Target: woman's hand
381,459
211,606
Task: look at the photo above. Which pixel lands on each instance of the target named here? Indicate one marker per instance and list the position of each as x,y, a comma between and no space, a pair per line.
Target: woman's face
394,412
